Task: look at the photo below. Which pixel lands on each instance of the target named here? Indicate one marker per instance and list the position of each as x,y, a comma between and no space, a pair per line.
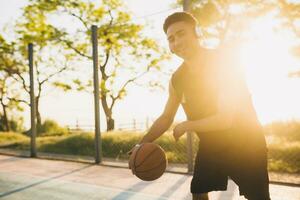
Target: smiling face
182,39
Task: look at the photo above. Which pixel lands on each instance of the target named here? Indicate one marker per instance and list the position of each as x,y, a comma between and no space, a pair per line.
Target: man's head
180,16
180,28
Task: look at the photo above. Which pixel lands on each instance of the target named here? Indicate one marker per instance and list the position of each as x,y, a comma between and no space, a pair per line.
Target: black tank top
198,91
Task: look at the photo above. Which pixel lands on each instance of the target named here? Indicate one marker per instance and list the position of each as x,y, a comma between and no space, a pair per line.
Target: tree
126,54
50,59
8,88
226,21
290,14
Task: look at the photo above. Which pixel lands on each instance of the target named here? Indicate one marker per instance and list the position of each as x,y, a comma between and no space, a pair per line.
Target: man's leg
208,174
203,196
250,173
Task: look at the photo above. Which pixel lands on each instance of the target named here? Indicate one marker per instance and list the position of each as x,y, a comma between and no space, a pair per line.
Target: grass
10,138
284,155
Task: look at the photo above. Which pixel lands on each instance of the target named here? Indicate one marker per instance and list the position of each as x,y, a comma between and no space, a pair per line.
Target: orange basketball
148,162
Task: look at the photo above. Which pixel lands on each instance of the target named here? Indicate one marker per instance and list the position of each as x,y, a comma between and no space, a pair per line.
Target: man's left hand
178,131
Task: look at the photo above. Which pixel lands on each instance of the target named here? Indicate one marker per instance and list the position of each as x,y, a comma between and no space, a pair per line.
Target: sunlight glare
267,63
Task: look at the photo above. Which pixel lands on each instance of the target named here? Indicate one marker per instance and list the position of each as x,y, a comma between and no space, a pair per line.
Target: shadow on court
175,186
139,186
9,159
40,182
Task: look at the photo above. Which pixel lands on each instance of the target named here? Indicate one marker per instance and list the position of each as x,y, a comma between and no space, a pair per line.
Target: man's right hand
133,148
131,151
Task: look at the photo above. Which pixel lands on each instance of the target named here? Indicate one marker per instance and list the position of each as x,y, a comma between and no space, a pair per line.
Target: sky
275,96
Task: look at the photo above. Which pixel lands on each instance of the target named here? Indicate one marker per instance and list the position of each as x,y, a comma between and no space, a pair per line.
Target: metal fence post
189,146
32,103
98,146
134,124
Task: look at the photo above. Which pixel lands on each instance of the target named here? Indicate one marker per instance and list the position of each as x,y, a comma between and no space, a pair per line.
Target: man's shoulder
179,70
178,76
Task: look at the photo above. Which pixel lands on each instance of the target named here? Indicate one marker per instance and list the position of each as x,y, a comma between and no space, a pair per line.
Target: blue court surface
35,179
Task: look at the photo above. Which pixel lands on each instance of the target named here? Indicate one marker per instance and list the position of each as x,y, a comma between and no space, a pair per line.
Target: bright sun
267,63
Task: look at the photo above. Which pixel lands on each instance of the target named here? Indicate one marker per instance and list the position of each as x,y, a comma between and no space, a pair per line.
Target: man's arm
165,120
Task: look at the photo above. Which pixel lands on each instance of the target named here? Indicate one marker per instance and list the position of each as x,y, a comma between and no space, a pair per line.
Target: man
210,87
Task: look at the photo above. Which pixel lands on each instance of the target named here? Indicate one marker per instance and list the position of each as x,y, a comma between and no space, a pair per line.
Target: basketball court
33,179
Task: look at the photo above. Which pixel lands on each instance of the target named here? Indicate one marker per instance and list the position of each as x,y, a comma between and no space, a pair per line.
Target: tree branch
23,82
107,55
124,86
80,19
53,74
19,100
68,43
38,75
111,18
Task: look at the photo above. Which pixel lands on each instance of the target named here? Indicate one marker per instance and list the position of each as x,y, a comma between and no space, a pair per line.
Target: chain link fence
283,140
78,143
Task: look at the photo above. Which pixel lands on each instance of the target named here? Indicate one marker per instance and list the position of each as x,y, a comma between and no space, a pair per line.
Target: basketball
148,162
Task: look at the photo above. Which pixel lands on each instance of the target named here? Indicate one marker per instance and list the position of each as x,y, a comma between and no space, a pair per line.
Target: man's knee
202,196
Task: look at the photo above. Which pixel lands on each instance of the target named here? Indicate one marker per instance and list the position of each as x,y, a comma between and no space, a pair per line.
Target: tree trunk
38,115
5,118
110,122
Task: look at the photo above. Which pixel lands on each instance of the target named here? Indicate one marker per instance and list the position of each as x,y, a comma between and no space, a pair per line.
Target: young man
210,87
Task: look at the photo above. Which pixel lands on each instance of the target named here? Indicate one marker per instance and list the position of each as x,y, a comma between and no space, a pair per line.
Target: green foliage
284,156
201,13
284,146
77,144
51,128
33,27
15,125
10,66
117,144
65,87
12,137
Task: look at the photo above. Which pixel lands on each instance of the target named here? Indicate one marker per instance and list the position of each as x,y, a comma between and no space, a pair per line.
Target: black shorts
247,170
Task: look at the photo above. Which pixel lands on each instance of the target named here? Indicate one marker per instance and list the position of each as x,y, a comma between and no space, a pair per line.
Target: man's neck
197,60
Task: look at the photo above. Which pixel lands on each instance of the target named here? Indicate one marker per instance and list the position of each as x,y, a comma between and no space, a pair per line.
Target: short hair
179,16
